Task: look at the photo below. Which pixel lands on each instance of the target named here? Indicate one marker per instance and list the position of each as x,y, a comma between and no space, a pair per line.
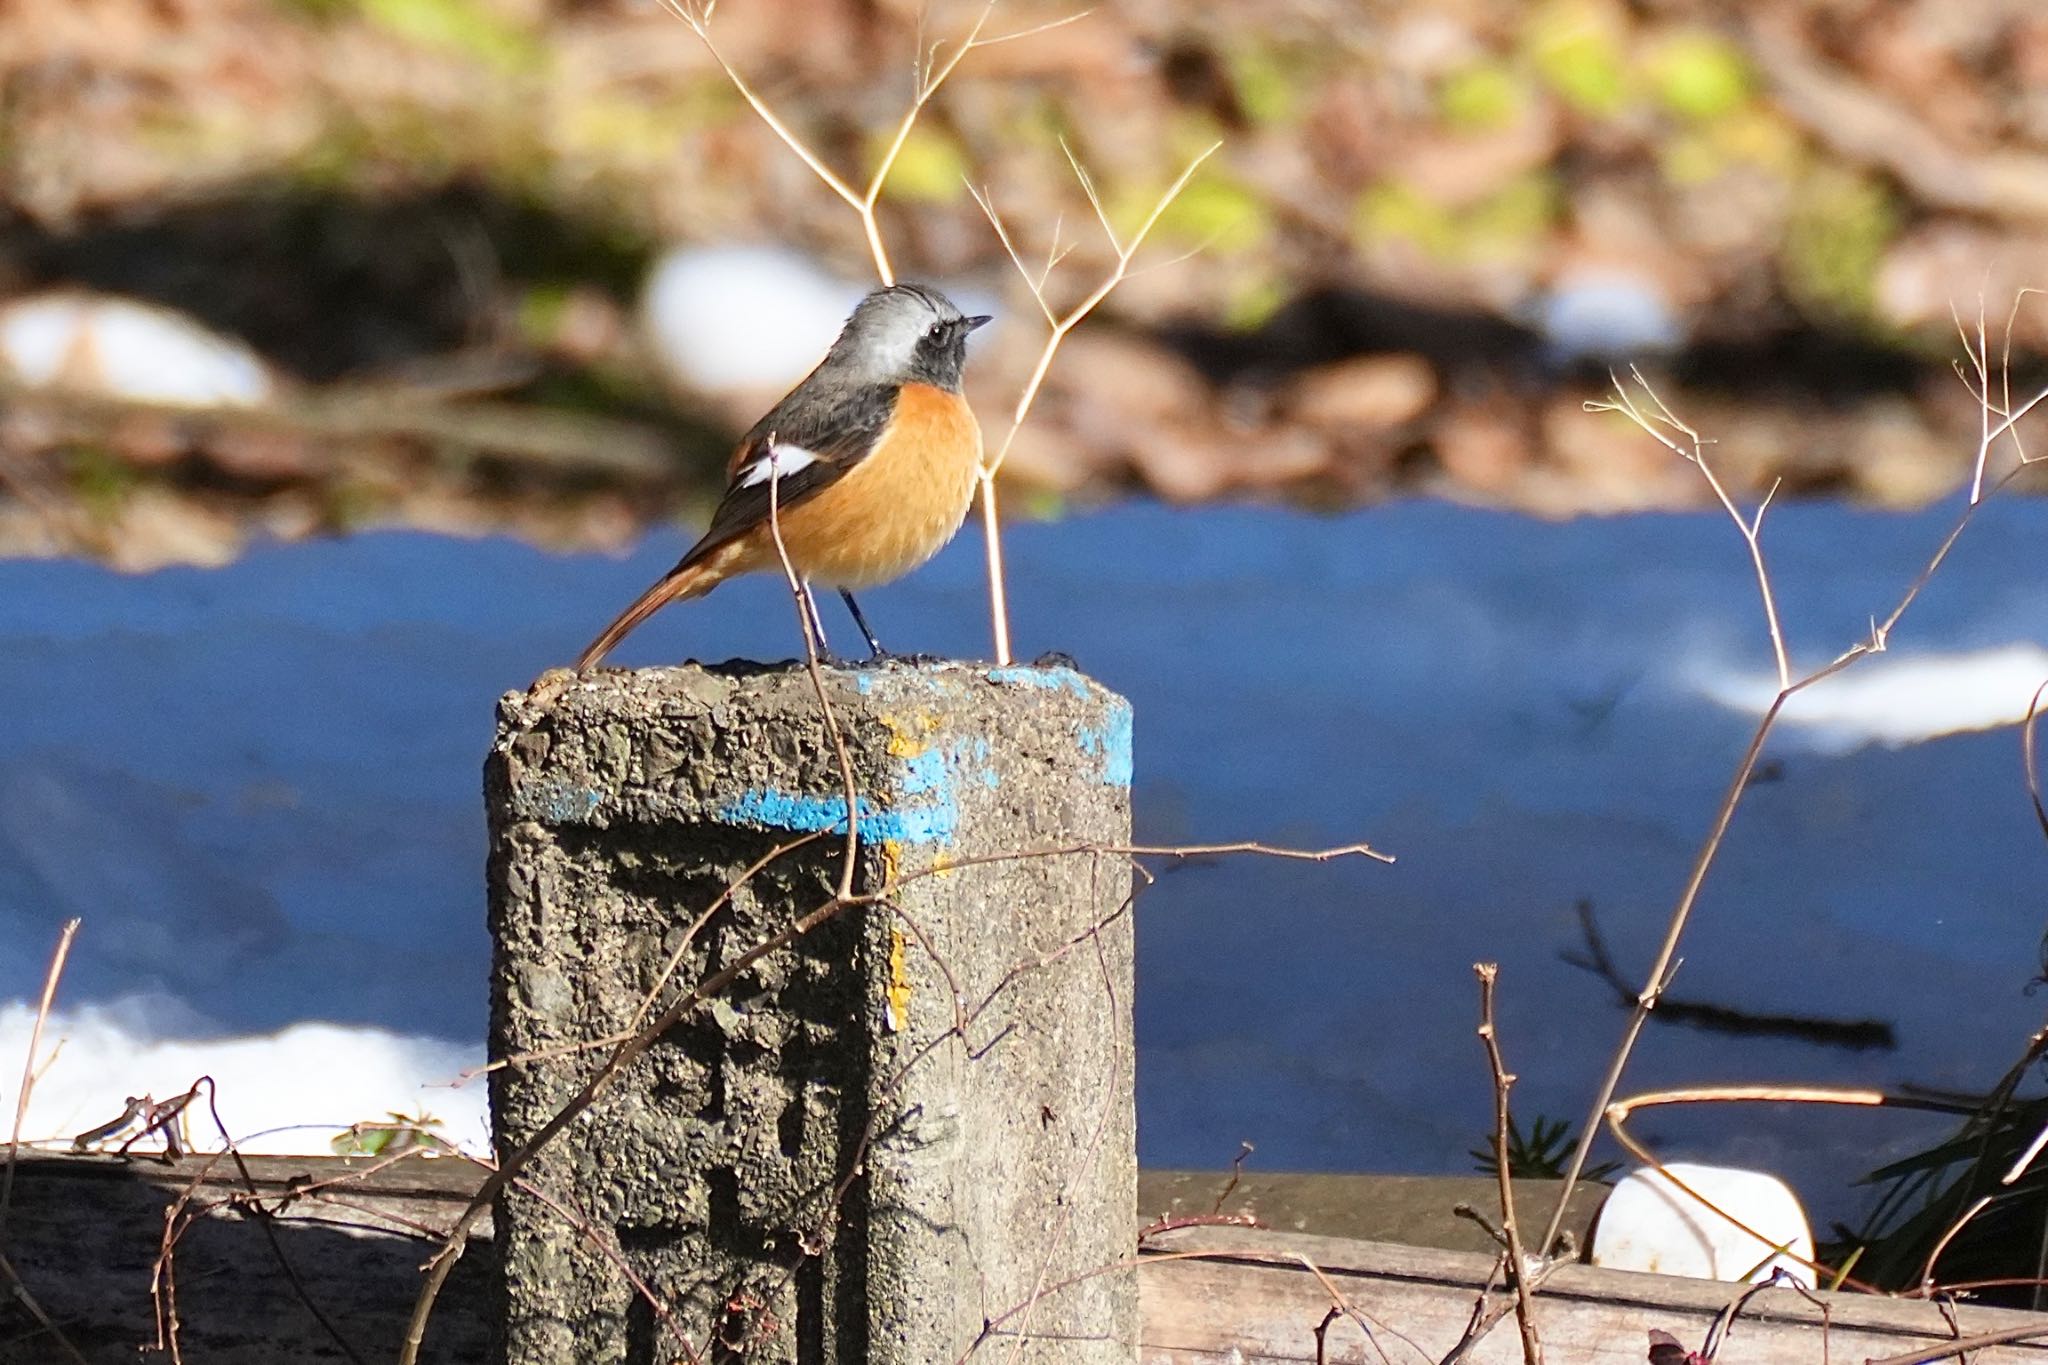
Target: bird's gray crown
897,333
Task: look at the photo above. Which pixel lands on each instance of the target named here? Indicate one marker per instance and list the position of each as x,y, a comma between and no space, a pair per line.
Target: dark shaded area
84,1235
1776,360
327,283
1857,1035
1331,324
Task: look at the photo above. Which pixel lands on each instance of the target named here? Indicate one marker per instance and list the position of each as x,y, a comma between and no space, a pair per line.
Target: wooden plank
1250,1299
84,1233
1409,1210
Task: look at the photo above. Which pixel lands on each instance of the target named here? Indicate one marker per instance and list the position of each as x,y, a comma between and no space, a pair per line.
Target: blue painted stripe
1112,744
1051,679
806,813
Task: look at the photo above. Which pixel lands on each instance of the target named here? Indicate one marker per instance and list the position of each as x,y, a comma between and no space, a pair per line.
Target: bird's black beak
974,322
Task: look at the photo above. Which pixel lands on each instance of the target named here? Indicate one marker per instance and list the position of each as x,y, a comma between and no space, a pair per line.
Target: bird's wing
795,452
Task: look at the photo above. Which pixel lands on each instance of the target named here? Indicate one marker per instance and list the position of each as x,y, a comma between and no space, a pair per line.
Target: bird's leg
813,624
875,650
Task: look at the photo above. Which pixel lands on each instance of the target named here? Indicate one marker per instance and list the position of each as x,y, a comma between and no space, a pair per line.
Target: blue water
259,787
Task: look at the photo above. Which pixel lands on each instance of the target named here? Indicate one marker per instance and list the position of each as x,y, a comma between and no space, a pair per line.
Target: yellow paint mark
899,983
911,736
898,999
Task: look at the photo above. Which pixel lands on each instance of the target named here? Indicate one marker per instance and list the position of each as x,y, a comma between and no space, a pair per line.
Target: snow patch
1898,700
288,1092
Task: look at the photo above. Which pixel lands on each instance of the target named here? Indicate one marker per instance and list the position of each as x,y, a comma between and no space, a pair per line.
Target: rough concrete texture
809,1168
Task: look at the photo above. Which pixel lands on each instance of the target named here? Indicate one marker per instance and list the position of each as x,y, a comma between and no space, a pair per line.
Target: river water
259,787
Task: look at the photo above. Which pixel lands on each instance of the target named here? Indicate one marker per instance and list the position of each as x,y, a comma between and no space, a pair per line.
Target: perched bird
870,462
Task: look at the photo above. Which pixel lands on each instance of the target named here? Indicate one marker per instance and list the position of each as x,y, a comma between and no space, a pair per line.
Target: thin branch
661,979
806,612
1511,1236
28,1068
1060,324
1694,451
1927,1355
930,72
35,1310
2029,758
1620,1111
1664,966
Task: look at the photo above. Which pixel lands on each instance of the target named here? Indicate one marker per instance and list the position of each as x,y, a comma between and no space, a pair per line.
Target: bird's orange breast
900,505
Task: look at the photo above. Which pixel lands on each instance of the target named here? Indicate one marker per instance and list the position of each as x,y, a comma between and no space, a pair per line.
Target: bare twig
1175,1222
1724,1325
1517,1266
28,1067
1620,1111
653,993
263,1217
17,1287
581,1221
444,1260
1112,1088
1858,1034
1656,420
813,647
2026,1331
1340,1306
1060,324
19,1291
932,71
1244,1149
2029,758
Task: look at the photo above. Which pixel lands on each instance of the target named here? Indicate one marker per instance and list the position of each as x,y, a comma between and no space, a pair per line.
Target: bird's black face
941,352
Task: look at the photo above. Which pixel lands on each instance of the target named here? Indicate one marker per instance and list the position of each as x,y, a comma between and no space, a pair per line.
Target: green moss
1216,212
1835,238
348,505
1268,82
1755,136
469,27
319,10
1507,220
1580,52
1700,75
1251,304
1035,504
1481,97
540,312
1038,121
1394,209
102,481
930,168
1512,216
630,132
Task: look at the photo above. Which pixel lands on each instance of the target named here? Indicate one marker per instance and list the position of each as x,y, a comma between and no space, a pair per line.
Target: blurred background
358,358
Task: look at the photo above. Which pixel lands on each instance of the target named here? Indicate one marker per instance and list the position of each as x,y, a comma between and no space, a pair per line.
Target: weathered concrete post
808,1168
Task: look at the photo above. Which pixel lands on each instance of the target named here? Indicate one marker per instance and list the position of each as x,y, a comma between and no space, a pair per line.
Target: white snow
1898,698
125,348
742,317
286,1092
744,321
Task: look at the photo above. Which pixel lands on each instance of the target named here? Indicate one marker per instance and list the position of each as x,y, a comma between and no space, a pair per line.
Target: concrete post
807,1169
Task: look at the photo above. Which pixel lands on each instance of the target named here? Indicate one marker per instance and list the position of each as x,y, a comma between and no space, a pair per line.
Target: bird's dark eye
931,333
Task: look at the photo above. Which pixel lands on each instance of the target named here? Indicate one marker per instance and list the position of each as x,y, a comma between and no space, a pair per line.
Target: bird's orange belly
899,506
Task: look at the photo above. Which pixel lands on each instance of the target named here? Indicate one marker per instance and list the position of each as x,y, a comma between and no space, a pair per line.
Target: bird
867,468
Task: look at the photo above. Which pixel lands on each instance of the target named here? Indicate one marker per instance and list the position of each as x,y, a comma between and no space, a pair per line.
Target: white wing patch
781,461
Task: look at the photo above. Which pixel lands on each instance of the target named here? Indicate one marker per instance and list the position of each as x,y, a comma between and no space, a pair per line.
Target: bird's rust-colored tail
691,578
